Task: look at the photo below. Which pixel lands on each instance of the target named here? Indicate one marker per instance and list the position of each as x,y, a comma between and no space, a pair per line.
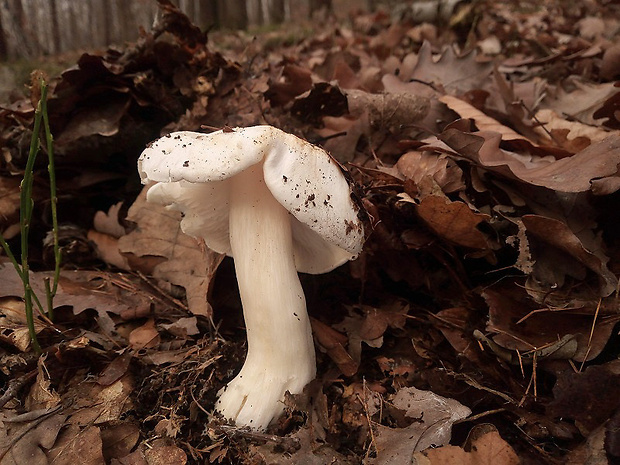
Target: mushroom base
280,348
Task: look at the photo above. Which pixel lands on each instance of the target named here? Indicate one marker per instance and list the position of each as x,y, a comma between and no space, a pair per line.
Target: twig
15,385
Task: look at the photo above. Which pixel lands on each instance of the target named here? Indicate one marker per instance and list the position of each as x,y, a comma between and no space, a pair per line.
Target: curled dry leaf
182,259
13,324
483,122
574,135
558,235
42,395
388,109
582,103
183,327
82,290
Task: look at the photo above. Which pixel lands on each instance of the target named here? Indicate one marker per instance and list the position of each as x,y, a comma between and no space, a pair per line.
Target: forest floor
479,325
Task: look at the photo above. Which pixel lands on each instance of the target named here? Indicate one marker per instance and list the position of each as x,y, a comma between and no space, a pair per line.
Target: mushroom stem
280,349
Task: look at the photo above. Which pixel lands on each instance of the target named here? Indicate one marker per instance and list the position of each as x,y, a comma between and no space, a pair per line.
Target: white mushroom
278,205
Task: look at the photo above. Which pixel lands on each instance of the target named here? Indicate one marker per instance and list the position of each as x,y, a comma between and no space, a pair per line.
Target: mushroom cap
193,171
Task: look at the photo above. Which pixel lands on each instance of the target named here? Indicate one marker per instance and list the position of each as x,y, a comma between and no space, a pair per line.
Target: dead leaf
185,262
308,452
591,452
585,397
453,221
107,249
432,418
83,290
334,344
97,404
558,235
551,124
578,173
419,165
77,445
489,449
483,122
145,336
115,370
27,443
521,324
183,327
456,74
583,102
9,206
108,223
42,395
163,453
13,324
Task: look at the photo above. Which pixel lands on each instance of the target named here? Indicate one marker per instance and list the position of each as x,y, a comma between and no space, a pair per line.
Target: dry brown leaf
115,370
163,453
82,290
377,320
9,206
76,445
585,396
107,249
591,452
108,223
581,103
570,135
432,416
558,235
483,122
456,74
489,449
186,261
593,166
27,442
334,344
183,327
96,404
521,324
418,165
42,395
13,324
145,336
300,448
453,221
